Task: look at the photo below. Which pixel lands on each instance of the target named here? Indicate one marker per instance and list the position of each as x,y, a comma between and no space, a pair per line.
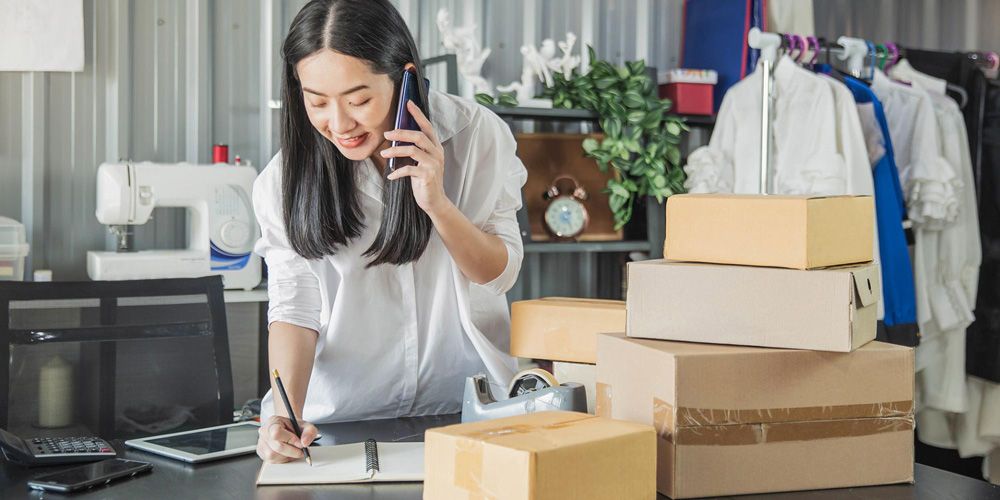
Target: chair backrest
118,359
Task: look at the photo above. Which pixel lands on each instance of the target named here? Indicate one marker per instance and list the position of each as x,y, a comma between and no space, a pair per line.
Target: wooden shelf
559,114
586,247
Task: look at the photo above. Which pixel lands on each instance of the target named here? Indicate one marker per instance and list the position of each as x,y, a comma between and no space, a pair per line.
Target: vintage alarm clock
565,215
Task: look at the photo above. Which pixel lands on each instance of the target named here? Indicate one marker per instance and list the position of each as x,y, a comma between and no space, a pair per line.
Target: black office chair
147,357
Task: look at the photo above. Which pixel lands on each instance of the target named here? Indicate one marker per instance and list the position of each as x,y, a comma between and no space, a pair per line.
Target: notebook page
400,462
331,464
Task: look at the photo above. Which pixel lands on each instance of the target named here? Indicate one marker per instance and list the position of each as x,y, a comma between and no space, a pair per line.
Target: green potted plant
641,140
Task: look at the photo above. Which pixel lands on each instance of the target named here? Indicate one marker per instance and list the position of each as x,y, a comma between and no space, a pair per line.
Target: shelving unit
576,115
586,252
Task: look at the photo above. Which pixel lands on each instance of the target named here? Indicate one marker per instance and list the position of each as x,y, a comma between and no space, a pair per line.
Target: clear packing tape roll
722,427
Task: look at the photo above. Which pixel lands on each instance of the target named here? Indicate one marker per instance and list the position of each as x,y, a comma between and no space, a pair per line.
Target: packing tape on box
469,453
700,426
737,427
688,417
602,400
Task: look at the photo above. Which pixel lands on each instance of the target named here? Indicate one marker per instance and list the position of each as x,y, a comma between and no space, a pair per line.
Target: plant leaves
484,99
634,99
606,82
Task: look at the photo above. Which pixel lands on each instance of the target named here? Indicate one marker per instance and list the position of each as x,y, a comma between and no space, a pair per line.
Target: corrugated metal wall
164,79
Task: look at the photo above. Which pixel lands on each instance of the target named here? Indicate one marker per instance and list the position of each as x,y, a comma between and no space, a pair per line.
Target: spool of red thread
220,153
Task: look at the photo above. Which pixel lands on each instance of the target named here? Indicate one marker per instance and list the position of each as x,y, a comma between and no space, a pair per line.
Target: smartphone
404,120
87,476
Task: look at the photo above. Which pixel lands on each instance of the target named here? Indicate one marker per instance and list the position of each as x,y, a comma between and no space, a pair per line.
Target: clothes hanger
814,46
881,55
893,55
871,56
801,44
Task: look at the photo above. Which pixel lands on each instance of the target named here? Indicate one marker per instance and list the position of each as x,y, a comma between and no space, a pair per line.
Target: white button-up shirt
400,340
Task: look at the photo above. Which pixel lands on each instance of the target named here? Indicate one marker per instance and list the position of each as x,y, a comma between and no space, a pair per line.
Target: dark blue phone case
404,120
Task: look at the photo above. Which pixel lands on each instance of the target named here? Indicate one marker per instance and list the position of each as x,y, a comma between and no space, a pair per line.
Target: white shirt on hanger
818,143
400,340
805,157
956,410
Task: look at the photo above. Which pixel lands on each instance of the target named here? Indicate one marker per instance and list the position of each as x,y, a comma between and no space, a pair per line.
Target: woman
386,289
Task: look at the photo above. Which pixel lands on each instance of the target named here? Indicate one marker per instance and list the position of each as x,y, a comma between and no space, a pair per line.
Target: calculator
54,450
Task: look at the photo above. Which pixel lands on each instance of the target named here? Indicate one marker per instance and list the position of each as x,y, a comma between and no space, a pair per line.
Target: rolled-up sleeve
292,288
491,189
503,223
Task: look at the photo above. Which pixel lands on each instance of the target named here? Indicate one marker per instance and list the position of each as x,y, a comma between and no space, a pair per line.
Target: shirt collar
447,116
787,73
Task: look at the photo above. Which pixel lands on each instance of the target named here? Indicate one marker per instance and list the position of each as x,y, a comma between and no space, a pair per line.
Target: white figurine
469,53
534,70
568,62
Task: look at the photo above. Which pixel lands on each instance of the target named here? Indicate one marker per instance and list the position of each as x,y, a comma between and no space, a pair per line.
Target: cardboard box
562,329
541,456
825,310
735,420
580,373
798,232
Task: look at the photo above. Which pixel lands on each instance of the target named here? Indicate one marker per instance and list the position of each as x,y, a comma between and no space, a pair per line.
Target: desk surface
234,478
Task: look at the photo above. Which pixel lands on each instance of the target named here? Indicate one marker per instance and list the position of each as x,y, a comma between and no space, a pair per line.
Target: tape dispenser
529,391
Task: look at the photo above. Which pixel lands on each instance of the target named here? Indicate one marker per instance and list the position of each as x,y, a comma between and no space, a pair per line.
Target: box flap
866,285
770,197
580,302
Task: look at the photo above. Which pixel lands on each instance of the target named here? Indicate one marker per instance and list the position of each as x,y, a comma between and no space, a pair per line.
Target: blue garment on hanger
898,290
890,211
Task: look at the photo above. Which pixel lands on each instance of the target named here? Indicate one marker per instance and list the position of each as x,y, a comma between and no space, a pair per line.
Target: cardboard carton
541,456
562,329
826,310
580,373
735,420
799,232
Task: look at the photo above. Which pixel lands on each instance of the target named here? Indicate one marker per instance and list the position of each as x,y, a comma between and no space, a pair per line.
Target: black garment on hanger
982,119
982,342
958,69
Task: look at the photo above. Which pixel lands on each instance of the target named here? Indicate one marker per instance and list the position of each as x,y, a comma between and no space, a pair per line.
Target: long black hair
322,209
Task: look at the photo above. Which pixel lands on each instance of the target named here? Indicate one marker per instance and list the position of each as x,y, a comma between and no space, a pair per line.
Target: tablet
201,445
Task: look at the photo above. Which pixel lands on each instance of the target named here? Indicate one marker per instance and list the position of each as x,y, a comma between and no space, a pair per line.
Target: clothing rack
768,44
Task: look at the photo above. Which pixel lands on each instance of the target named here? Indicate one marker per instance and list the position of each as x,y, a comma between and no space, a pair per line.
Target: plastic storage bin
690,90
13,250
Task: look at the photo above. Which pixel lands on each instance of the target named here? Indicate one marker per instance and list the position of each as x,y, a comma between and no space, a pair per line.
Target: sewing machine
220,224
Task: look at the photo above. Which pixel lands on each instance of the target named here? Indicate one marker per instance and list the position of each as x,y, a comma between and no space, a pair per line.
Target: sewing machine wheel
530,380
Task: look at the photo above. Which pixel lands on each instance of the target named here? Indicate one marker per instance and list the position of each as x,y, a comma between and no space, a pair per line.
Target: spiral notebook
363,462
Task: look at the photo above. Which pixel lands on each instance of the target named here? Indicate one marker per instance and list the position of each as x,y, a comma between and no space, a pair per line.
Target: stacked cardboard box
545,455
564,331
754,357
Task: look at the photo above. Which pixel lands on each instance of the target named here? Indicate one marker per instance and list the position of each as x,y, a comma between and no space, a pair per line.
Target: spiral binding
371,457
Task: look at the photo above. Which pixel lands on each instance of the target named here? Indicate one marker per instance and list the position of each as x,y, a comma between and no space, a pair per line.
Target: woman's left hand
426,176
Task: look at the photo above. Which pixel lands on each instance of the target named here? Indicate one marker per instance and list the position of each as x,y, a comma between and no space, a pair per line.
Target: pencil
291,415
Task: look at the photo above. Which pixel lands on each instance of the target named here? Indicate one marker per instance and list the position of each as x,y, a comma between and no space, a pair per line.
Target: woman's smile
353,142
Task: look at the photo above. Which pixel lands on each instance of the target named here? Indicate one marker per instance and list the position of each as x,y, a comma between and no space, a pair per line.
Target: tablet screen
211,441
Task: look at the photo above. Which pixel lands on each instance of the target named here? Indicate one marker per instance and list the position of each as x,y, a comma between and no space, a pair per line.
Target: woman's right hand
277,442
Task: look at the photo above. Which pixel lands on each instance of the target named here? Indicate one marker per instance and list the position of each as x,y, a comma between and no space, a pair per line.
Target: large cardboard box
581,373
798,232
541,456
562,329
825,309
734,420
